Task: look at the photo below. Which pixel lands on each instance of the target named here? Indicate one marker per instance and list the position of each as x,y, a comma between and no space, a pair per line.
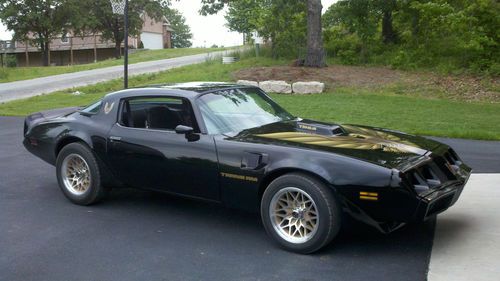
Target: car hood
384,147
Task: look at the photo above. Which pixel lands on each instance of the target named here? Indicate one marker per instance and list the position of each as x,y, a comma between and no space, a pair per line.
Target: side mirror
185,130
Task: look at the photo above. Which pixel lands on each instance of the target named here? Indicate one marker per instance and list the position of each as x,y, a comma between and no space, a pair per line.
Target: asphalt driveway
139,235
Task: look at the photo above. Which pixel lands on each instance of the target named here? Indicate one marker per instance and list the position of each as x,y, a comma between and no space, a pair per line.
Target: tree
387,7
354,17
315,52
449,34
97,15
181,35
283,22
315,56
37,21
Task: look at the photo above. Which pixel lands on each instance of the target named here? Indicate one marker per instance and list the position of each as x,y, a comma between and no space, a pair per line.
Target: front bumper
437,201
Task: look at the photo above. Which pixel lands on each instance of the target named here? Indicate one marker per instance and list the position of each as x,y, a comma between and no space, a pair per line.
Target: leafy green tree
445,34
37,21
283,22
265,23
246,16
355,18
181,35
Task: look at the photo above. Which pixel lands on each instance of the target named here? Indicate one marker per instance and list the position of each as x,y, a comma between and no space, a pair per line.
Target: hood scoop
307,126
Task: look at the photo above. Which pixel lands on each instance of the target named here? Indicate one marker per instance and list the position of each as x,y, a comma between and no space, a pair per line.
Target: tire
79,175
280,213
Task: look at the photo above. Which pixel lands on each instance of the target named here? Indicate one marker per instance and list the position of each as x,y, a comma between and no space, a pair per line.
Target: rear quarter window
93,108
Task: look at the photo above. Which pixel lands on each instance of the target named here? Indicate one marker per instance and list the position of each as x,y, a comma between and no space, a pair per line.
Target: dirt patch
462,87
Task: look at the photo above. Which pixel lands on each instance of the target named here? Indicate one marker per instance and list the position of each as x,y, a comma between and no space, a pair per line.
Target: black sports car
232,144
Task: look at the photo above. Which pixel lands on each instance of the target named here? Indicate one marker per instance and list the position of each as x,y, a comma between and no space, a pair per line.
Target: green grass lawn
384,107
23,73
431,117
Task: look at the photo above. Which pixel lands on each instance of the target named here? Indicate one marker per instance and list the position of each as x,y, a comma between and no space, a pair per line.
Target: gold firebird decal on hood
357,139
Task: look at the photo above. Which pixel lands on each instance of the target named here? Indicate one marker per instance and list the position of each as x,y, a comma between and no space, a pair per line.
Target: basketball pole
125,64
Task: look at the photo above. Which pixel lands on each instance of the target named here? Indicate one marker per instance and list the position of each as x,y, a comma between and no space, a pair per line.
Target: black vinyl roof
186,90
199,87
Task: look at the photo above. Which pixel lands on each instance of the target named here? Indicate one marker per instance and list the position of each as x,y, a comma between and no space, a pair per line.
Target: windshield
234,110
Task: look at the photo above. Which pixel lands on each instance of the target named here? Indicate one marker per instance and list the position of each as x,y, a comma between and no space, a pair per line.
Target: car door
155,157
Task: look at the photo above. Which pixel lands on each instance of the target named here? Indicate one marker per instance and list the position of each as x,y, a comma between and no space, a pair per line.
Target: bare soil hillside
459,87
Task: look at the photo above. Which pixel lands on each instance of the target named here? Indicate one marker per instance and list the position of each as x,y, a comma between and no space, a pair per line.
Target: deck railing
7,45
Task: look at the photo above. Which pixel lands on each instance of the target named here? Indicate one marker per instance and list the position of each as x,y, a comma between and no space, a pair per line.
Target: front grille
425,177
433,174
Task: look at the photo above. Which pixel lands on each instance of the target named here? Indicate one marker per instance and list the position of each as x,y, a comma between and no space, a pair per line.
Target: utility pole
125,65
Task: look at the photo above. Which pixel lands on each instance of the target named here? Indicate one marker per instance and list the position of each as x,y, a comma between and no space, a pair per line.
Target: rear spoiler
39,117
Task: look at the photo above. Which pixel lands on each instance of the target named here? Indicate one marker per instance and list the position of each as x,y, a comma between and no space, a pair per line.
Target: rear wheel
300,213
79,174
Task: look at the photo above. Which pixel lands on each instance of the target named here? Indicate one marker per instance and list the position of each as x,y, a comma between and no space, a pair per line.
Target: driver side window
158,113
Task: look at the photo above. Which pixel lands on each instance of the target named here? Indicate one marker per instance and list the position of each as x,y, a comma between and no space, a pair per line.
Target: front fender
336,170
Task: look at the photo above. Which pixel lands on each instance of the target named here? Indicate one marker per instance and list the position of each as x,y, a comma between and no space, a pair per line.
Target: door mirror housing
181,129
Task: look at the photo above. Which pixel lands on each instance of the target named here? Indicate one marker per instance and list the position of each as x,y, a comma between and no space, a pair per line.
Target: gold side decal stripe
365,195
368,198
368,193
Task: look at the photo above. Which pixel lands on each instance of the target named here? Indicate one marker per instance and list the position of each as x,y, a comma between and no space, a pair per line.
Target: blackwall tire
79,175
300,213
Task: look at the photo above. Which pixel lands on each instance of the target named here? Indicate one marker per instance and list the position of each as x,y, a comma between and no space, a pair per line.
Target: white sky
206,31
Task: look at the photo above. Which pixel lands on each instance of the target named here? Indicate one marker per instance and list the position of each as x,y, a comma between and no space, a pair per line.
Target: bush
449,36
3,74
11,61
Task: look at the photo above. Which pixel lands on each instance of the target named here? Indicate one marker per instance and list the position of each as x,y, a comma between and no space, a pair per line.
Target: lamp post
120,7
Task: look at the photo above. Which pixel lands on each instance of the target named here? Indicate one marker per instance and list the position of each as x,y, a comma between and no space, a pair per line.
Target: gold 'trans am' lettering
239,177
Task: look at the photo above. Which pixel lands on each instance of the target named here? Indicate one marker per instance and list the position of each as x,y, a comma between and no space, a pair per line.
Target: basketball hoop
118,6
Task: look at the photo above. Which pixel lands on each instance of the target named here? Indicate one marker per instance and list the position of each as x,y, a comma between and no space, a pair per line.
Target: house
68,49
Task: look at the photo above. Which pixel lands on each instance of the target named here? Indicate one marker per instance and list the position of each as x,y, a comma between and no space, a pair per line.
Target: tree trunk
415,18
388,35
45,53
118,40
118,49
95,48
315,53
27,55
71,50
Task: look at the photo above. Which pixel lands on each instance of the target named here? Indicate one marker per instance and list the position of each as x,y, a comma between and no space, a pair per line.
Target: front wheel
300,213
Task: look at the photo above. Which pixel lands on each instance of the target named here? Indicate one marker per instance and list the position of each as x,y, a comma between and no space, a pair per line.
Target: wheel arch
65,141
108,177
269,177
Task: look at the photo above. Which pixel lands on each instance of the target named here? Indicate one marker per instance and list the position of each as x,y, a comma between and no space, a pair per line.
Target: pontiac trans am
232,144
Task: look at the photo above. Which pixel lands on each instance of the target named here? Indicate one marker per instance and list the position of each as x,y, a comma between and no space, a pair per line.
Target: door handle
115,139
